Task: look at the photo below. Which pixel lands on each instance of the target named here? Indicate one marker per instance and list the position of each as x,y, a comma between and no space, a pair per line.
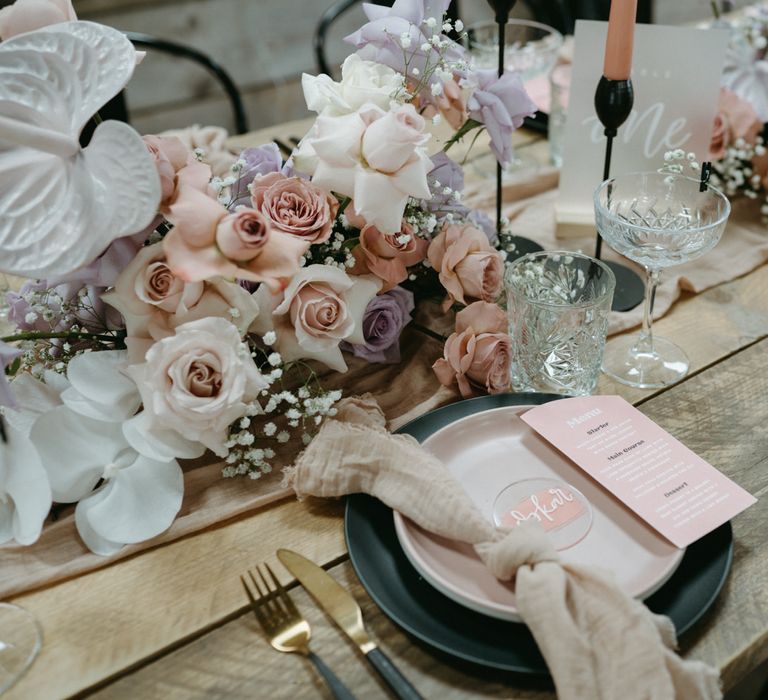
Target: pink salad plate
489,451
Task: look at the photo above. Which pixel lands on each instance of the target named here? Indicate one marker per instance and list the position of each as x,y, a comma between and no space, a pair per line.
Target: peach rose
451,104
28,15
201,226
467,264
154,301
170,156
320,307
388,255
477,356
295,206
735,119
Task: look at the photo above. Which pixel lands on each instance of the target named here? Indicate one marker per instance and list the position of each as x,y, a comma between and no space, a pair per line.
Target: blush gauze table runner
598,642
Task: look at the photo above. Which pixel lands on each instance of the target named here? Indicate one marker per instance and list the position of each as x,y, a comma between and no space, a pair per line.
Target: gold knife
343,609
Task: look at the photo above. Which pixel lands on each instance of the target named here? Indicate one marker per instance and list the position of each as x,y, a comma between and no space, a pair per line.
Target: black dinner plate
413,604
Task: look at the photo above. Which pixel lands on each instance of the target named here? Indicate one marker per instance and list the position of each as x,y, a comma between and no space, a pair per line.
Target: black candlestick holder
613,103
522,245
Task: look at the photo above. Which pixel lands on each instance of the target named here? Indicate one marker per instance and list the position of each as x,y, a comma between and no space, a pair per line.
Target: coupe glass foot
630,363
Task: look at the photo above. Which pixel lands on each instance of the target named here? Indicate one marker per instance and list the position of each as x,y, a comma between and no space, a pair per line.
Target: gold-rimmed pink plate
493,453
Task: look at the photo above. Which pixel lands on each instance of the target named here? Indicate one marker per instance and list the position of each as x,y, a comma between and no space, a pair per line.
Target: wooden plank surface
721,414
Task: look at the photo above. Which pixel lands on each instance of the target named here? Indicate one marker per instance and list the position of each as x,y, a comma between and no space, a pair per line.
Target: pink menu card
670,487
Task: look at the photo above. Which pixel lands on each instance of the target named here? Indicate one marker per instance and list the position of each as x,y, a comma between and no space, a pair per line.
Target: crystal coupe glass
658,220
20,642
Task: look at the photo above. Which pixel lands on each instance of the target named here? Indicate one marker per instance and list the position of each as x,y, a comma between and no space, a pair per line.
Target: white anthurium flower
361,82
321,306
25,494
139,497
376,157
98,389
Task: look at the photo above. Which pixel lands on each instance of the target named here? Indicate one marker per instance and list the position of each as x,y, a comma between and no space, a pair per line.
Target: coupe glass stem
644,342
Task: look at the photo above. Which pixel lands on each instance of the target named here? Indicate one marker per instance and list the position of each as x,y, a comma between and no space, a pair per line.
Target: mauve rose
466,263
735,119
154,301
242,235
295,206
198,381
477,357
385,317
388,255
170,156
28,15
445,178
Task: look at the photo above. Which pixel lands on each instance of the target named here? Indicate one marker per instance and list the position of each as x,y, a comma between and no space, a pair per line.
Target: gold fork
285,627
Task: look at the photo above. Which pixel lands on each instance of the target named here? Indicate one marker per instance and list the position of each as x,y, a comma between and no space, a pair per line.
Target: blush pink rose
477,357
201,226
466,263
388,255
154,301
28,15
320,307
452,104
295,206
735,119
170,156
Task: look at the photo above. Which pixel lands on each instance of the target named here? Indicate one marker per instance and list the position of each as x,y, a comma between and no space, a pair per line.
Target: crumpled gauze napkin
599,643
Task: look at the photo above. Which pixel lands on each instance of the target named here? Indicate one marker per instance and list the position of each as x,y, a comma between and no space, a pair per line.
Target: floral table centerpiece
170,312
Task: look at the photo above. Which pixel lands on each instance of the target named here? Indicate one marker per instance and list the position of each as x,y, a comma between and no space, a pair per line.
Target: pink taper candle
621,34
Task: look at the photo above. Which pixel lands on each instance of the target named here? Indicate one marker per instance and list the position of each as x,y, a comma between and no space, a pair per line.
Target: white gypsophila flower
274,359
283,436
270,429
431,22
269,338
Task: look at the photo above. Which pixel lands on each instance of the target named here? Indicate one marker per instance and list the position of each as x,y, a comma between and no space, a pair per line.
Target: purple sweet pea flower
380,39
383,322
95,315
501,104
484,222
8,354
260,160
446,174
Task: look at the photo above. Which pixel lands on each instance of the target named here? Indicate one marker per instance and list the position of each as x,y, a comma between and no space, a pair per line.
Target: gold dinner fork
285,627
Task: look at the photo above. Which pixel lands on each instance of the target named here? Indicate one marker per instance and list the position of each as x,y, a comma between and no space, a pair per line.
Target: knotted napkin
599,643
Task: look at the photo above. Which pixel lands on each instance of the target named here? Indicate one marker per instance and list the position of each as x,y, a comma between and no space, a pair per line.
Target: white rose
361,82
376,157
320,307
197,382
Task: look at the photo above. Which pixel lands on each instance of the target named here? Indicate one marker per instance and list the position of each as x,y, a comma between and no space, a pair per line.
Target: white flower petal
379,200
365,288
74,450
157,443
96,376
95,542
140,502
291,350
26,486
33,398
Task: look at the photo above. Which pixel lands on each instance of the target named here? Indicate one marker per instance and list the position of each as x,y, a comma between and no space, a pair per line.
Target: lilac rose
385,317
260,160
381,39
500,104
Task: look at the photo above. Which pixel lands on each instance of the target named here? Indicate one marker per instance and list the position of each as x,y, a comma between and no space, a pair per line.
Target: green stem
715,10
428,331
462,131
67,335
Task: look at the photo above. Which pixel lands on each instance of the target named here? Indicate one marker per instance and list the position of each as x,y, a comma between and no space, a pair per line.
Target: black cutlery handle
339,690
390,673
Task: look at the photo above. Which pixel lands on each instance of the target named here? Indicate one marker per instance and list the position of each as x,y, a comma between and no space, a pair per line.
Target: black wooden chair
337,10
117,108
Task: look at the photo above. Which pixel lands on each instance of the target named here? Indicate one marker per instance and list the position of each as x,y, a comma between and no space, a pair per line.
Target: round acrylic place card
560,509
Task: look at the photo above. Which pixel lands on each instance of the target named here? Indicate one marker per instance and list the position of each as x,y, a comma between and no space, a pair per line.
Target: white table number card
676,79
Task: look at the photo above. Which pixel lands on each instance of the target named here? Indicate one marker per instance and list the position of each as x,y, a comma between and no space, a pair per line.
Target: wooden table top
172,622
